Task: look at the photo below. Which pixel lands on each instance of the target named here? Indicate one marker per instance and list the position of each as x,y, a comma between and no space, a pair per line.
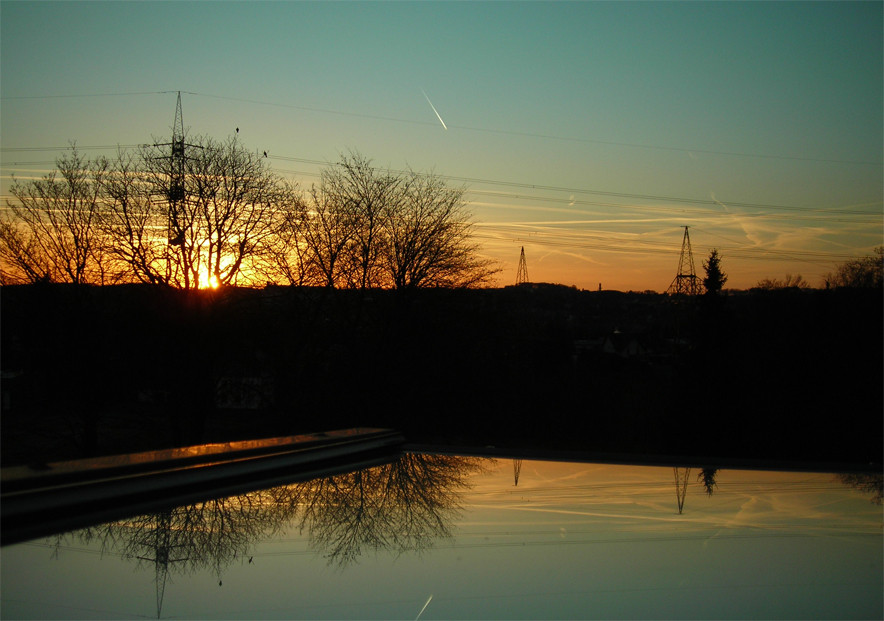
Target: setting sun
208,281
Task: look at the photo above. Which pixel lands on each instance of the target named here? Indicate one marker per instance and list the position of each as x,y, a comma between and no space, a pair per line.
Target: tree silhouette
428,238
865,272
789,282
327,223
211,213
364,226
715,277
51,231
226,218
364,193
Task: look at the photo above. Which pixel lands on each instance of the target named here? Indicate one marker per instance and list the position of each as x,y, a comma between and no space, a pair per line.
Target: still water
455,537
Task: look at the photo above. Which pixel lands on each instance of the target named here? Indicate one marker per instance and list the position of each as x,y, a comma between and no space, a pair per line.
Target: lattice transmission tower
175,195
522,274
686,281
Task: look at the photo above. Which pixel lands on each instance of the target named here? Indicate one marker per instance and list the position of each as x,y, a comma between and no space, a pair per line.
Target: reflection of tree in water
867,483
707,478
401,506
198,536
682,475
186,539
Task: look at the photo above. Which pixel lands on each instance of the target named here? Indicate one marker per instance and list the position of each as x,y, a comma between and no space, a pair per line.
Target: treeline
203,213
860,273
782,375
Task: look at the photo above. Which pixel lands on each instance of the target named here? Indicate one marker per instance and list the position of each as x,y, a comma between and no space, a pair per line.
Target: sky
589,133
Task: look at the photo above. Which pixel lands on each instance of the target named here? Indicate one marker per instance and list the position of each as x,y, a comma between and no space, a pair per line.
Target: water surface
456,537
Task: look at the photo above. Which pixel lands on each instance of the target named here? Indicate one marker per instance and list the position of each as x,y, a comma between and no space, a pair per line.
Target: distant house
623,345
615,344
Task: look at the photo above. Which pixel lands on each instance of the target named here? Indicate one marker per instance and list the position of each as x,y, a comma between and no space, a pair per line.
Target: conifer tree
715,277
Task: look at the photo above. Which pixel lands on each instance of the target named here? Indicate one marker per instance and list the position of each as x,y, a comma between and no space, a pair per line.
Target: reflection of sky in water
570,541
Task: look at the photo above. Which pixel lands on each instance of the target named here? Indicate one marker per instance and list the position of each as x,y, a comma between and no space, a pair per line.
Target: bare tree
366,194
344,226
789,282
429,238
211,213
21,257
50,231
370,227
235,199
287,258
328,228
223,225
864,272
132,223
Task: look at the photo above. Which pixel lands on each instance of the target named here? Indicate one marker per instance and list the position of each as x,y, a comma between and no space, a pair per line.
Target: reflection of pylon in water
162,547
522,274
517,469
681,486
686,281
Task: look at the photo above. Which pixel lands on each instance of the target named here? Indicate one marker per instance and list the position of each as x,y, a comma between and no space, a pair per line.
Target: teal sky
590,133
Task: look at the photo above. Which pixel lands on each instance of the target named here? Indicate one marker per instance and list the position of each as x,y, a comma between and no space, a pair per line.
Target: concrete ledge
60,496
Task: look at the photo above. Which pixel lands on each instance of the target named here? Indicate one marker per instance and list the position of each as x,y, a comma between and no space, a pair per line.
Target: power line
811,212
67,147
525,185
544,136
578,240
75,96
629,195
612,243
463,127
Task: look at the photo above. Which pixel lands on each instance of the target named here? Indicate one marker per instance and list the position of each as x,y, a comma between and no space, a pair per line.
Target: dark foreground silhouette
780,375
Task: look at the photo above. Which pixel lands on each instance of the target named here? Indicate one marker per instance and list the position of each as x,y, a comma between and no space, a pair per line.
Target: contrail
737,219
437,116
431,596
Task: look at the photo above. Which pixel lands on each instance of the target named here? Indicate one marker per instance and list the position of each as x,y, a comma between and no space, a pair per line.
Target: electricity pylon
686,281
522,274
175,194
